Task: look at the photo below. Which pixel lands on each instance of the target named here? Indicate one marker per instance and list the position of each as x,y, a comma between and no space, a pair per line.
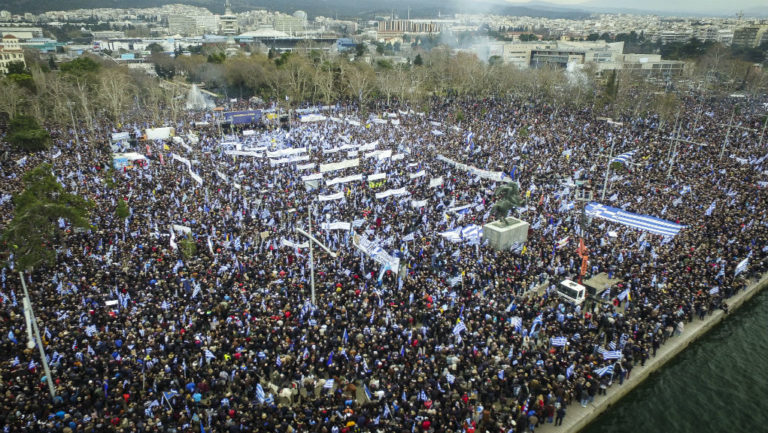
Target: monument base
502,237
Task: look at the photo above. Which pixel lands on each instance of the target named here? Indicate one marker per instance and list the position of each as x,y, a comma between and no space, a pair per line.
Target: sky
683,5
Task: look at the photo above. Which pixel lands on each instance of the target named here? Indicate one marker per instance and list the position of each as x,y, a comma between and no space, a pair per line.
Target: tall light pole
311,251
29,316
74,126
608,169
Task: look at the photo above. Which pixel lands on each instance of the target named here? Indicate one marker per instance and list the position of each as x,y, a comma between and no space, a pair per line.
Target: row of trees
92,87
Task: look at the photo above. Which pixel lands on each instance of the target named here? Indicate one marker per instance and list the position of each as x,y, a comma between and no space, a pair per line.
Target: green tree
121,211
360,50
154,47
34,232
80,66
418,61
26,135
17,68
187,247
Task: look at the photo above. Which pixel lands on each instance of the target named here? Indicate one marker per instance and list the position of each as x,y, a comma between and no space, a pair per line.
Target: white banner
484,174
158,133
286,243
377,176
339,165
336,226
182,229
197,178
315,176
398,157
392,192
436,182
352,178
369,146
243,153
419,203
289,160
339,195
182,160
305,166
417,174
286,152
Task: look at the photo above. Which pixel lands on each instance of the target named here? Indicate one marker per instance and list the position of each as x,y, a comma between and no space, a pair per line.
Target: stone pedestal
502,237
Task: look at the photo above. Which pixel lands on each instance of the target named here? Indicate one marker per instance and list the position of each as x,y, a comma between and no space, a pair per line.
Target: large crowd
458,338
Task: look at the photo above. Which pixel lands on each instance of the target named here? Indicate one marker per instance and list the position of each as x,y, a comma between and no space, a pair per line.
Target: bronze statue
508,198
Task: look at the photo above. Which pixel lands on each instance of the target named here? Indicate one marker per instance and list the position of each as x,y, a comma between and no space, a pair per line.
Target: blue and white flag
623,295
91,331
260,393
643,222
612,354
538,321
386,411
624,157
711,208
423,396
714,291
559,341
742,266
367,392
209,354
344,337
605,370
450,378
458,328
328,384
570,370
278,361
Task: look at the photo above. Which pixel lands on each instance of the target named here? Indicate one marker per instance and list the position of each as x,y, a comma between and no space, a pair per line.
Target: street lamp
311,255
29,316
74,125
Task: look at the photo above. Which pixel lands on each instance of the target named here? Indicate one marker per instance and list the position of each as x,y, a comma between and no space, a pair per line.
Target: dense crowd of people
458,338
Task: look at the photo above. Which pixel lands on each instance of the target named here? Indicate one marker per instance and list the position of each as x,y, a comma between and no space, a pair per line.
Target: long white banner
417,174
377,176
436,182
392,192
337,180
286,243
286,152
340,225
339,165
484,174
289,160
338,196
243,153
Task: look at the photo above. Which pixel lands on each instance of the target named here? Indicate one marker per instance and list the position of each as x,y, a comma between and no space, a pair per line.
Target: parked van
572,292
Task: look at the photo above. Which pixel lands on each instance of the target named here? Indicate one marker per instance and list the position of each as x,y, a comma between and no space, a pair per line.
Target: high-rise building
228,21
749,36
182,25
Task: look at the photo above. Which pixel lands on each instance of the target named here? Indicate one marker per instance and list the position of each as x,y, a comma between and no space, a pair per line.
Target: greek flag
410,237
624,157
209,354
260,393
643,222
623,295
91,331
386,411
570,370
458,328
536,322
367,392
501,374
516,322
742,266
165,305
612,354
623,340
344,337
31,365
472,232
559,341
605,370
710,208
455,281
714,291
450,378
612,345
279,362
328,384
423,396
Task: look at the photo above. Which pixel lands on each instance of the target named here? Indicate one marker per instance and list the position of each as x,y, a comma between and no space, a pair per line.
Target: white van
572,292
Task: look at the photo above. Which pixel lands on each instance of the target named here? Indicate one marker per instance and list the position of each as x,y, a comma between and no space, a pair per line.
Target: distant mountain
666,7
331,8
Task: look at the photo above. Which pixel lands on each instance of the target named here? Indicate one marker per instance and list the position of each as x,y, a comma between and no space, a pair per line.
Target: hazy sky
691,5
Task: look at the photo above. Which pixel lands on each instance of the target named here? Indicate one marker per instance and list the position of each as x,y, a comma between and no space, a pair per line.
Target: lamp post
311,252
29,316
74,126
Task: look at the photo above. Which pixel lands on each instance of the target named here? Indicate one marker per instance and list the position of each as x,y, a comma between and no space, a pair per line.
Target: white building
10,51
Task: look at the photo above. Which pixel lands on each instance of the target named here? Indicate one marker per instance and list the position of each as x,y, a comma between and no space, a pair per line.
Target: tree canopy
32,234
26,135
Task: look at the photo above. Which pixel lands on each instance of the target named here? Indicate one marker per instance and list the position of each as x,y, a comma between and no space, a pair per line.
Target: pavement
578,417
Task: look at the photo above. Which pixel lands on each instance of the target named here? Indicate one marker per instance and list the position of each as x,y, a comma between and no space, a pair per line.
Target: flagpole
608,169
311,257
28,310
727,135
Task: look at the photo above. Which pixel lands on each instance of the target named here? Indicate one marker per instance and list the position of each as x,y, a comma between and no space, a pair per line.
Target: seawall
578,417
